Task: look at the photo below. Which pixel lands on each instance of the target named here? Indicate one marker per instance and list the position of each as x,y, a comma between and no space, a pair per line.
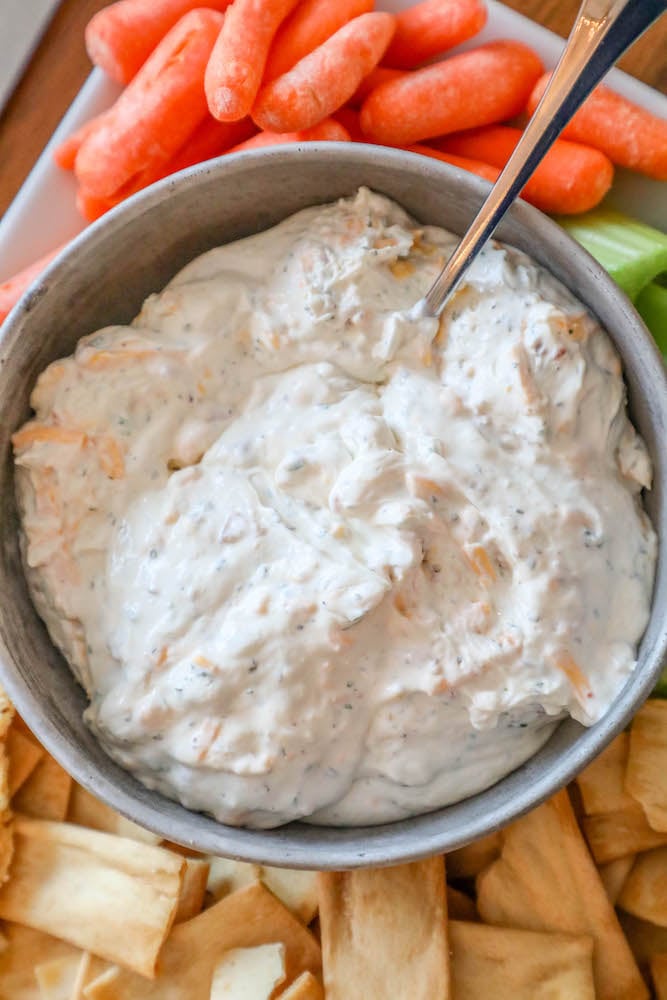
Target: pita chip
24,756
644,892
384,932
249,973
114,897
296,889
86,810
616,834
602,783
545,880
659,975
25,949
306,987
45,794
646,777
248,917
509,964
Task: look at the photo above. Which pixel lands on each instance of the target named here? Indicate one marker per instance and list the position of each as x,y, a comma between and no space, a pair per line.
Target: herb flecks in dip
307,563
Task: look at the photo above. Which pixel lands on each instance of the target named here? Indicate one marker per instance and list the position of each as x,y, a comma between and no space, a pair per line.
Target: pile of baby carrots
202,81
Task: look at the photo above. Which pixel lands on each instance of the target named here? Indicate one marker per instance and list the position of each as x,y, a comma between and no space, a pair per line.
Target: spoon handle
604,29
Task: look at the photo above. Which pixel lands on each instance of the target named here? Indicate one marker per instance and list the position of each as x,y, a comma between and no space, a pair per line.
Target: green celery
660,690
633,253
652,307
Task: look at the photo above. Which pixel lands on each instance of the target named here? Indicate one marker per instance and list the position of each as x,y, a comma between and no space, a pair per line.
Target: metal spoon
604,29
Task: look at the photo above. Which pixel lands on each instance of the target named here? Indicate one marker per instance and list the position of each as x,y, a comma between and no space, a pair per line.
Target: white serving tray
43,215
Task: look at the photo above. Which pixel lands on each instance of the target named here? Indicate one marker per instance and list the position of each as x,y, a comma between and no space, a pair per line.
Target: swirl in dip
307,563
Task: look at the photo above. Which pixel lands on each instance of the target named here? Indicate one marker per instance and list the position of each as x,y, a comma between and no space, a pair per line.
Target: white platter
43,216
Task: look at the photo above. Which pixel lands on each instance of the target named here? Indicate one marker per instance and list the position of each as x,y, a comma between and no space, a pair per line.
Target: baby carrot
377,76
630,135
92,208
236,66
120,37
325,131
326,78
13,288
349,119
479,87
432,27
571,178
64,155
308,26
211,138
547,189
157,111
484,170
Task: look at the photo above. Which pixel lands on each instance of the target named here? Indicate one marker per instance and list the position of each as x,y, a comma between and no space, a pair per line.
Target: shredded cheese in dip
308,561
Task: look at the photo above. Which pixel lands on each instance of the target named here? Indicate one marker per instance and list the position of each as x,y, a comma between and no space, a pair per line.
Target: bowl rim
346,847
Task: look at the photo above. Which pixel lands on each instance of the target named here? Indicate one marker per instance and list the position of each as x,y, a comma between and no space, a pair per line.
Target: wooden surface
60,66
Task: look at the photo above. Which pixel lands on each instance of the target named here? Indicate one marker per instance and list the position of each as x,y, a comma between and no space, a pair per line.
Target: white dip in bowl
308,564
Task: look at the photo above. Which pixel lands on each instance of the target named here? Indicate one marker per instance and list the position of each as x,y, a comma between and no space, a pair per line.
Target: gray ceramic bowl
103,278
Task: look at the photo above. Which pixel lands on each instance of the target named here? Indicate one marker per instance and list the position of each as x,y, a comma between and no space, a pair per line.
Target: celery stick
632,252
652,307
660,690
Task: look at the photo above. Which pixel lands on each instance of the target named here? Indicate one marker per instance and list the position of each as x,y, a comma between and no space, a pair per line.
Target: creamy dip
308,563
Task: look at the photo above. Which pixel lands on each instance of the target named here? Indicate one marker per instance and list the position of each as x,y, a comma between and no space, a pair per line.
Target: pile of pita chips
92,907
